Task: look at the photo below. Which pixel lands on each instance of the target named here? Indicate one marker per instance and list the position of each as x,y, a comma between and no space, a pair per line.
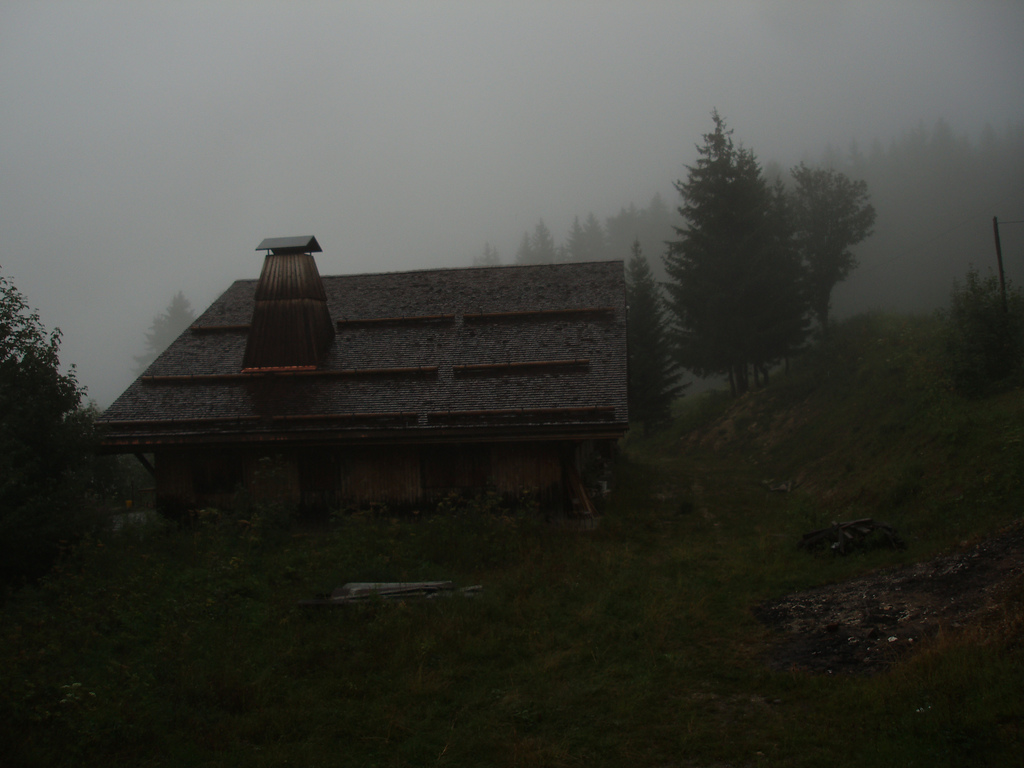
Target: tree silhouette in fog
166,327
735,278
653,374
831,213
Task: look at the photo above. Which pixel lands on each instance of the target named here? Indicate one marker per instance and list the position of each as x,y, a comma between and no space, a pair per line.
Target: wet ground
864,625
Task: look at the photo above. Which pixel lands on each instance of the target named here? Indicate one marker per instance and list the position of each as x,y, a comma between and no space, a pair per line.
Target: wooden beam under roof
522,368
538,314
401,320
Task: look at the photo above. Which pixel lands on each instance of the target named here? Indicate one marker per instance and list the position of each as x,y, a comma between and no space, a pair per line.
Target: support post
145,462
999,259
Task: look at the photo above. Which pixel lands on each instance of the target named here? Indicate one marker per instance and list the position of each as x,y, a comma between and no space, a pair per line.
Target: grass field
632,644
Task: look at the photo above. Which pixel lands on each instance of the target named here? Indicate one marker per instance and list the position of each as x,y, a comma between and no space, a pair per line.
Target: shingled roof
457,354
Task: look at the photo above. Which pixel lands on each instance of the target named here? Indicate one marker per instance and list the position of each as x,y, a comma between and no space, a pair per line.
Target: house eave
145,443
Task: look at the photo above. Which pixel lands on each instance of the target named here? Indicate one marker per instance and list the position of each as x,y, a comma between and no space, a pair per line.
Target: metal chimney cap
297,244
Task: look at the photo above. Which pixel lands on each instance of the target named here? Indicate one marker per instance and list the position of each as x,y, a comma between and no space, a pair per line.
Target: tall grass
632,644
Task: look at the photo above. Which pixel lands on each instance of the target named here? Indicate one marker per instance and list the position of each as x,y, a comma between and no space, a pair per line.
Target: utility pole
999,259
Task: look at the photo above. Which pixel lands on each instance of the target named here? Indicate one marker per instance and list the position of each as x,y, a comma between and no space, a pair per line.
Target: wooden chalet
398,388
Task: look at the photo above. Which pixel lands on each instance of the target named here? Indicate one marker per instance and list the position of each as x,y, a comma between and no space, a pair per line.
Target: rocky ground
864,625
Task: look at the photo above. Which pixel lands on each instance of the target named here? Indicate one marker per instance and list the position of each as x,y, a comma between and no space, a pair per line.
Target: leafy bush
45,442
984,339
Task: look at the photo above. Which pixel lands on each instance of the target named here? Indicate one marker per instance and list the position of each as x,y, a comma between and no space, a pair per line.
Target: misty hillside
870,426
936,191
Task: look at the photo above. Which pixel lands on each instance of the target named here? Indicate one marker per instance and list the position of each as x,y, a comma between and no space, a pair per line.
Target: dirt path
863,625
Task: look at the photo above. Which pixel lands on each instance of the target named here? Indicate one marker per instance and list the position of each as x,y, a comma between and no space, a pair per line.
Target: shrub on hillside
45,442
984,338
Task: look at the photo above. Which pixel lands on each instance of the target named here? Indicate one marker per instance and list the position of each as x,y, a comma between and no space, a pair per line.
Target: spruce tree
652,374
587,241
735,281
538,248
543,244
623,228
576,245
166,327
595,240
489,258
525,253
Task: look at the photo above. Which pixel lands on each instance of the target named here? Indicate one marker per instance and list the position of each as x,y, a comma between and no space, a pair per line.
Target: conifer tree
543,244
166,327
524,255
576,245
489,258
652,373
623,228
595,240
587,241
735,280
538,248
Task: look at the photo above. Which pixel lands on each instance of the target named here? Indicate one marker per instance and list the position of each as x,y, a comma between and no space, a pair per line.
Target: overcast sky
147,147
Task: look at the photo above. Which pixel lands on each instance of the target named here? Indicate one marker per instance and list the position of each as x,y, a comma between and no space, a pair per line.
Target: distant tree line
592,239
936,192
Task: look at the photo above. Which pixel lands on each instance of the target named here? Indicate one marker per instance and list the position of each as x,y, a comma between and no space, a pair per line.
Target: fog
147,148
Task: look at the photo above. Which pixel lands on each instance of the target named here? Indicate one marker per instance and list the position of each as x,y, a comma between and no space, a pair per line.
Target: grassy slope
629,645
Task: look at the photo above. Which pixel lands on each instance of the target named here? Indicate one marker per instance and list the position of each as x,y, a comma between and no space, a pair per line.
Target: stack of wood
358,591
843,536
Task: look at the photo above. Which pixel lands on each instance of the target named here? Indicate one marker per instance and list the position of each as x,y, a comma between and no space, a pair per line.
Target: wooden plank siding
174,479
379,474
527,466
401,476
